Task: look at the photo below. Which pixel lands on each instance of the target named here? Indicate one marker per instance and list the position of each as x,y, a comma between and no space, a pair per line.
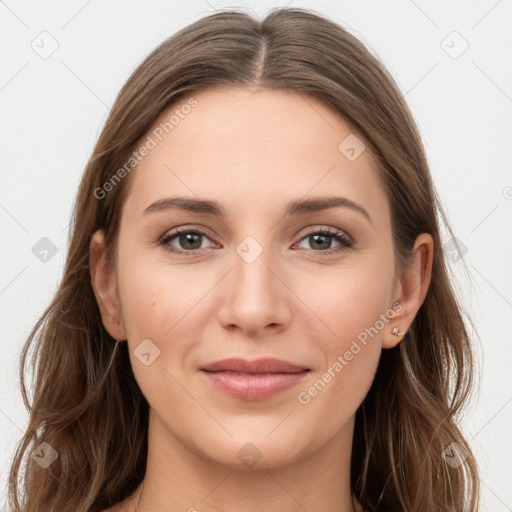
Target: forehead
244,144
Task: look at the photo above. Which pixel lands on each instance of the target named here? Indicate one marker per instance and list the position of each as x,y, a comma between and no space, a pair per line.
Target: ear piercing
396,332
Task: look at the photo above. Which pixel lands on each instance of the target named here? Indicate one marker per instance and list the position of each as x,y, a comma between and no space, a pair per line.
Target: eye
190,241
321,241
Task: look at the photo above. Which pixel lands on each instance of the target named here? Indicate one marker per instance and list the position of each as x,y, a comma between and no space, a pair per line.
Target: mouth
253,380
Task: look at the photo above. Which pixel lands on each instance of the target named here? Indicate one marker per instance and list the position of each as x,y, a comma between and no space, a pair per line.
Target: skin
253,151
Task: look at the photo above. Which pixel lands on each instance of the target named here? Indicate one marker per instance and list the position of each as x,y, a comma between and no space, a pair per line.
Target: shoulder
115,508
123,506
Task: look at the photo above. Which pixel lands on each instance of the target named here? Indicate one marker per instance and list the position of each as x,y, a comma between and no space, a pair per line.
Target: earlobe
104,287
413,286
394,337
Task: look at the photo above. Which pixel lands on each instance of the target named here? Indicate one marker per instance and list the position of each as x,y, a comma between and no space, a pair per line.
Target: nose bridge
251,273
254,294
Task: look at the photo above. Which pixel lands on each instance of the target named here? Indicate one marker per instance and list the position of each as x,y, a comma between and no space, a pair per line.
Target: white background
52,111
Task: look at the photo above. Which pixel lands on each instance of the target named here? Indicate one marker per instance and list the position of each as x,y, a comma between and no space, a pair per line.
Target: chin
246,452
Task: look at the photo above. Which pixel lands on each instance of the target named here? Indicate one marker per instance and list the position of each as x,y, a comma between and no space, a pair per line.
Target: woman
255,312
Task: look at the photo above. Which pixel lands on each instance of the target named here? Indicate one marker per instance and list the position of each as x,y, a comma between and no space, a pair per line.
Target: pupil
188,238
324,245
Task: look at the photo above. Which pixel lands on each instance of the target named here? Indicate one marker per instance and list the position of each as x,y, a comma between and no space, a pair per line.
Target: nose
255,298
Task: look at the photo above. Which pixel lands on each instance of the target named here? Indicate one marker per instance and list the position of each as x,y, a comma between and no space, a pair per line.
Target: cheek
159,304
156,298
353,315
334,394
354,310
349,302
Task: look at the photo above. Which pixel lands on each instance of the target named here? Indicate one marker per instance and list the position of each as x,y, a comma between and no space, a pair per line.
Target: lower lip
254,387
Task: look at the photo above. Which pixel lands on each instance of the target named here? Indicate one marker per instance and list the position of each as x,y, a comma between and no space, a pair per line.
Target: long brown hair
86,403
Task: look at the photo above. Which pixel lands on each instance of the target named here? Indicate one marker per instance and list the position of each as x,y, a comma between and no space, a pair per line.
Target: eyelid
319,228
186,228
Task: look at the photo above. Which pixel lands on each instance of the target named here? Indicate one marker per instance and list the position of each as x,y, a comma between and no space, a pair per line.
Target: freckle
153,303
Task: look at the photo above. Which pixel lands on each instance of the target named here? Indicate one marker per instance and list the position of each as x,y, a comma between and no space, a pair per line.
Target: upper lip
263,365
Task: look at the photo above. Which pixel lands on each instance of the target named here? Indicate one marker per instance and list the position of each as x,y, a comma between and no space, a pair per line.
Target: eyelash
345,241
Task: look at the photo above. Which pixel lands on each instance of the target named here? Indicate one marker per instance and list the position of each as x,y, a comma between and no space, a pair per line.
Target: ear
411,290
103,282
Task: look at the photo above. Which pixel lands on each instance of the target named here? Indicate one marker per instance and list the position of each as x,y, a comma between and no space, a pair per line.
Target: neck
178,478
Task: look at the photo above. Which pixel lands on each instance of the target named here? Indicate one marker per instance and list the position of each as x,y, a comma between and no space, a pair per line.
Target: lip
253,380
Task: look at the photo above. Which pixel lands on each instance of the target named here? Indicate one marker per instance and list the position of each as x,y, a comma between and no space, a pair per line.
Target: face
263,270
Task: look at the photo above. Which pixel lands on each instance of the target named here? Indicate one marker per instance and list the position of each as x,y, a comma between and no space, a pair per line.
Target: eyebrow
293,208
